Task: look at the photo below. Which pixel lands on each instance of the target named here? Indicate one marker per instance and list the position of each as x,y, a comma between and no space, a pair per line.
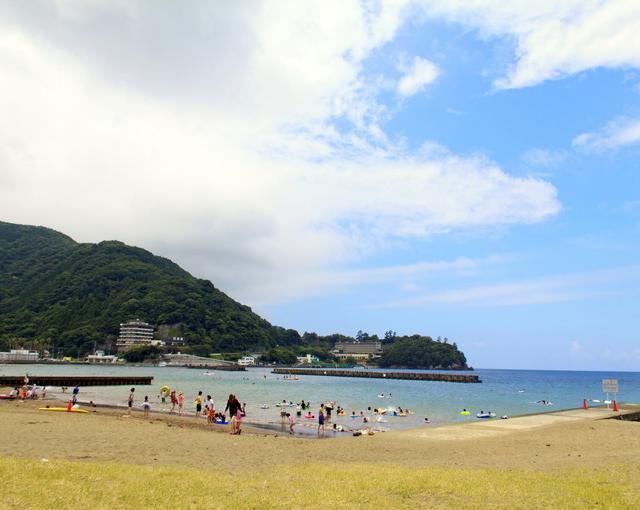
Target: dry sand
540,443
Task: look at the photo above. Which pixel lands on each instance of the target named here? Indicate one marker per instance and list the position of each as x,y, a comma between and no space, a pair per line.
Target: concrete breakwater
413,376
75,380
228,368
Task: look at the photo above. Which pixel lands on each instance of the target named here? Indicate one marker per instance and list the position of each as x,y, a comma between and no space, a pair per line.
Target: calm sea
505,392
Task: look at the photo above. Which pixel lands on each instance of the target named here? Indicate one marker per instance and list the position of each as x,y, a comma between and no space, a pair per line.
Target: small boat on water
485,416
291,378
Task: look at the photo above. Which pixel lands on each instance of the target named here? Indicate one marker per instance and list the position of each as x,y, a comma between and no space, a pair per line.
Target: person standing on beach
198,403
146,406
321,420
238,420
74,399
130,401
180,404
210,408
292,422
174,401
233,405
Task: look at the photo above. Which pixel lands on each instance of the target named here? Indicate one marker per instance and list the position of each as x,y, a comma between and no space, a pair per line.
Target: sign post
610,386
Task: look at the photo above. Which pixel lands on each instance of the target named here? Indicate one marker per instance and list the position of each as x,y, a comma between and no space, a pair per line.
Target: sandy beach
107,434
558,445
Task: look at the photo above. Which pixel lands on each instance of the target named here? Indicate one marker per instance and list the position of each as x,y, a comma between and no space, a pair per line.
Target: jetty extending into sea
75,380
413,376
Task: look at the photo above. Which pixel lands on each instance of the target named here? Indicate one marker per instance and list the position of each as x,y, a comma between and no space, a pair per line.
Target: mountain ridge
58,293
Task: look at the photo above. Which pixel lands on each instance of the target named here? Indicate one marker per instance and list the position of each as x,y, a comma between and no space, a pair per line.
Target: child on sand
181,404
210,405
146,406
238,421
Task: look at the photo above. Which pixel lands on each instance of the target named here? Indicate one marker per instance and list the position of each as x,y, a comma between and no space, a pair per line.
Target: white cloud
208,134
617,134
421,73
552,39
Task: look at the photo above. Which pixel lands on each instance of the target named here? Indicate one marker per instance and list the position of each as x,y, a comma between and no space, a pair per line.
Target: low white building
246,361
19,355
101,357
308,359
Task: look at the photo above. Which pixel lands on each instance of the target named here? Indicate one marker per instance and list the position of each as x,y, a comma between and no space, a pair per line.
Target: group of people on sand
202,408
28,392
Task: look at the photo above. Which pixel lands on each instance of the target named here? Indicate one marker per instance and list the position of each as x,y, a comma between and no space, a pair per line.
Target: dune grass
65,484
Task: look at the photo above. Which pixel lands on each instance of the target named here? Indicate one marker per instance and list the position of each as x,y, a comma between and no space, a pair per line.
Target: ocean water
505,392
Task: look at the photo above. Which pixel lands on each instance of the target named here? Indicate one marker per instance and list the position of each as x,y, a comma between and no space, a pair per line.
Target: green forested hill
56,292
76,294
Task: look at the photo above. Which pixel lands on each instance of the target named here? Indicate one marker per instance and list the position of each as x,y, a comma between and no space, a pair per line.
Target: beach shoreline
304,428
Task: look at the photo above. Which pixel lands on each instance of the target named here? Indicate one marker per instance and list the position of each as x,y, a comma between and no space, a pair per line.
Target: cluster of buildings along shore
135,333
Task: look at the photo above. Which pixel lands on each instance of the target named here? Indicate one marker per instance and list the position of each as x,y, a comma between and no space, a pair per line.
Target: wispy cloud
454,111
553,289
617,134
543,157
418,75
409,278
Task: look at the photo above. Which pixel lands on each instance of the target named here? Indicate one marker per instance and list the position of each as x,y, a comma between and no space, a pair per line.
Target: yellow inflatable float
165,391
64,409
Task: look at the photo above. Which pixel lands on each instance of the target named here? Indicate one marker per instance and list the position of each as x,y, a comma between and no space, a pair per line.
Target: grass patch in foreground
64,484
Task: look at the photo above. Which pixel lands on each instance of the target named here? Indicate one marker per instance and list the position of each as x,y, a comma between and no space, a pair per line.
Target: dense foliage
142,353
59,294
422,352
287,355
75,295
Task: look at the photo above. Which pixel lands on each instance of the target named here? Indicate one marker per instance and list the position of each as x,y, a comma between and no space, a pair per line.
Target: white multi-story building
246,361
135,332
19,355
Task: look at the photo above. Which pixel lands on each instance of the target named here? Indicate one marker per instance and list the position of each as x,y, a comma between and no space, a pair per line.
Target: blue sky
459,169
